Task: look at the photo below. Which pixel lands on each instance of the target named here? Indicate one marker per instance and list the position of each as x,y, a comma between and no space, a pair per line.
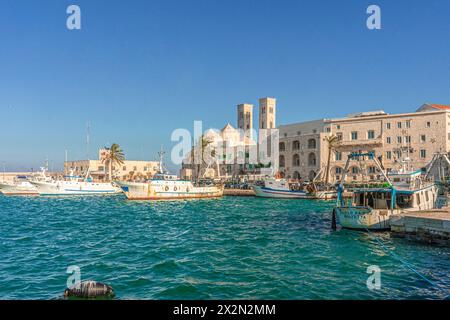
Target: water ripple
228,248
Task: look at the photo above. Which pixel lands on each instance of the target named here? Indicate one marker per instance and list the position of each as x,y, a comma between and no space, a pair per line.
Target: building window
423,153
101,168
423,138
371,170
124,168
312,159
388,125
282,161
355,170
339,136
296,160
311,143
399,139
388,155
338,170
408,124
338,156
408,139
299,133
428,124
328,129
370,134
399,125
338,127
282,146
388,140
296,145
398,154
145,168
270,110
354,135
314,131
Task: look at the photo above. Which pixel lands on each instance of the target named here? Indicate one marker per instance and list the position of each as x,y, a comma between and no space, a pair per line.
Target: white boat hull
75,188
24,188
281,194
168,190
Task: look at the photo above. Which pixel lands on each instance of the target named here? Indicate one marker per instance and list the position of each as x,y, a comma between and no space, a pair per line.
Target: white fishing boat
283,189
75,185
20,186
371,206
280,188
164,186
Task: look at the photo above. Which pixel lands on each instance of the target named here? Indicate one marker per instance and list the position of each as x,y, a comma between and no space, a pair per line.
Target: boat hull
168,190
75,188
363,218
23,189
280,194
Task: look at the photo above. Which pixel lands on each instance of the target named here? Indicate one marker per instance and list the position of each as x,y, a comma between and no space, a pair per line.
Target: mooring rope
406,263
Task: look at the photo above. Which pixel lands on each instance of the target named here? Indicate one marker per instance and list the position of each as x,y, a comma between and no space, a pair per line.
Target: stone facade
393,138
301,150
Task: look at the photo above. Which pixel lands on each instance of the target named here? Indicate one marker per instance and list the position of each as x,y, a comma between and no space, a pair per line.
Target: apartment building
393,138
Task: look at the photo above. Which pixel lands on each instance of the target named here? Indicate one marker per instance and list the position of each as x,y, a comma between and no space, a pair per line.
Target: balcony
361,143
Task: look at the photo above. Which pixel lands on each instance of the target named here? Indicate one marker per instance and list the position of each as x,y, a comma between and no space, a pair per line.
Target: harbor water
228,248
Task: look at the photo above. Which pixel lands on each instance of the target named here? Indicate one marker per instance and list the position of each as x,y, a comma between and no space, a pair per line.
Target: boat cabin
383,199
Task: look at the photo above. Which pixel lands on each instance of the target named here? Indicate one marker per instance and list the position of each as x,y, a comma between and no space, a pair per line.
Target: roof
433,106
440,106
228,127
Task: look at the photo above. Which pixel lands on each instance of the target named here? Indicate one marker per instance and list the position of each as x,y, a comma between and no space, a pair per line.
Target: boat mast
88,133
161,157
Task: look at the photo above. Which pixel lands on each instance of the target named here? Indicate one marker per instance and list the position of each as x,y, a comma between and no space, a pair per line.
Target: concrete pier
431,226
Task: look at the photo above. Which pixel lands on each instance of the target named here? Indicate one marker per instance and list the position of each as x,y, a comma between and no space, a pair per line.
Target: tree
333,142
114,155
204,142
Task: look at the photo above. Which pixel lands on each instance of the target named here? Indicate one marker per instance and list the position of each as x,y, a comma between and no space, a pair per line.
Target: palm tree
204,143
333,143
115,155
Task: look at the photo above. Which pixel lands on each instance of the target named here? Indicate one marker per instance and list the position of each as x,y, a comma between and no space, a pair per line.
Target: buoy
333,220
90,290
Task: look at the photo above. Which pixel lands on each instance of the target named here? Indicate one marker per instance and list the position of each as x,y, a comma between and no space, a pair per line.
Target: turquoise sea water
229,248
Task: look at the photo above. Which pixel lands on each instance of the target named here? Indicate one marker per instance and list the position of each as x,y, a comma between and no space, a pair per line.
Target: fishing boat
19,186
164,186
75,185
372,204
281,188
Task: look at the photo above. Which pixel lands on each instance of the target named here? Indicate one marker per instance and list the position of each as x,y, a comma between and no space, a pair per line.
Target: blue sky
139,69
